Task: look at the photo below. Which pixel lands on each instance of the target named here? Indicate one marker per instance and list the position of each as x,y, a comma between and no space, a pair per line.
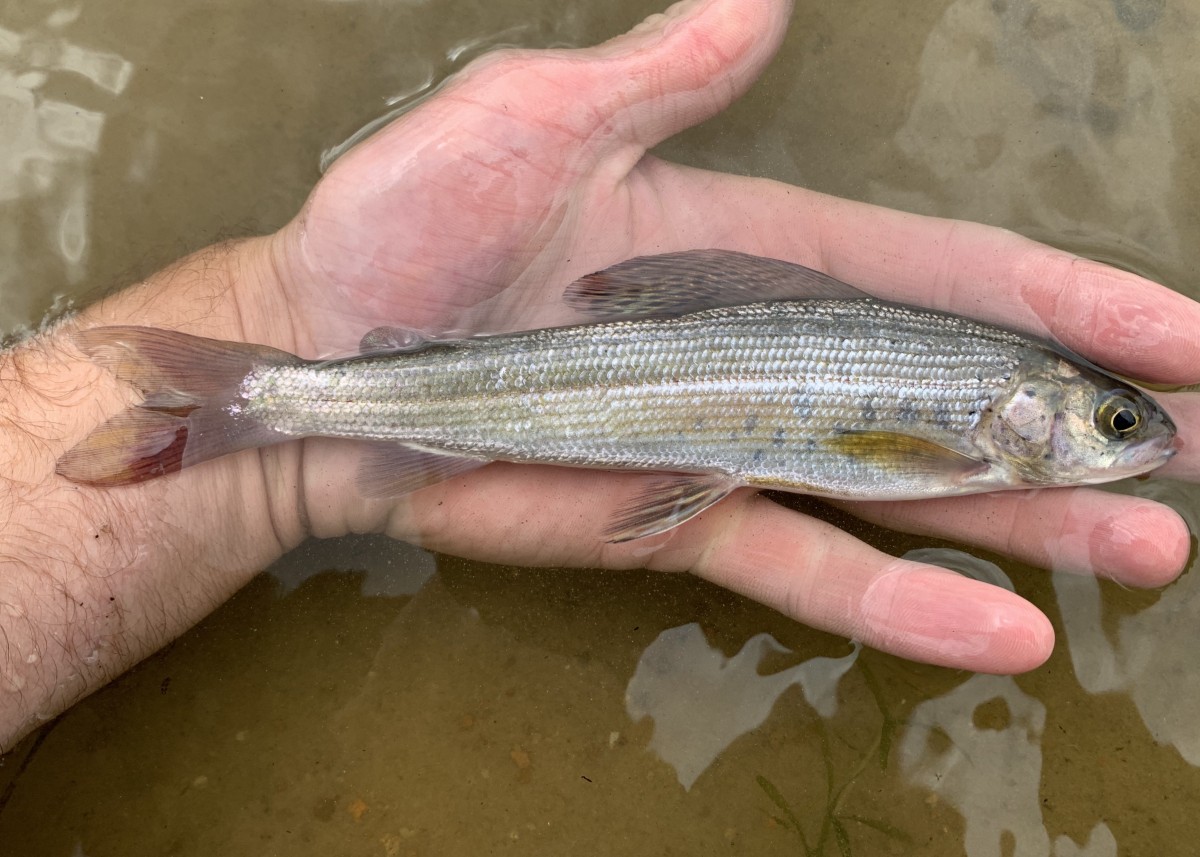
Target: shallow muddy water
364,697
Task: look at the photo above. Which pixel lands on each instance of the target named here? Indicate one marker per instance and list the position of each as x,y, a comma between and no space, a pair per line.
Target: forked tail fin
192,409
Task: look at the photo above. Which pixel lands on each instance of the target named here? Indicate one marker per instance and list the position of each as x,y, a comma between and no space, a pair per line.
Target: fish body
844,397
752,391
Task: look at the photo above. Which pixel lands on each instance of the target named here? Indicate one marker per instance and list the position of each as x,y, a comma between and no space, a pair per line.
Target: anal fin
394,469
667,502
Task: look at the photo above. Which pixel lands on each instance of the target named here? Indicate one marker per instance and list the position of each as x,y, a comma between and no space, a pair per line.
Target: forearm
92,580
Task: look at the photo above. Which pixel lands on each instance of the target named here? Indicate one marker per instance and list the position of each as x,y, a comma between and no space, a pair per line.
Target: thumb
680,67
672,71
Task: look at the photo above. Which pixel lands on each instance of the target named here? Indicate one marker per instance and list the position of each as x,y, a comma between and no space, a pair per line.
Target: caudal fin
192,409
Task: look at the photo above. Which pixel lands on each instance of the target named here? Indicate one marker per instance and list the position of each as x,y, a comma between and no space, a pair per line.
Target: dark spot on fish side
779,437
750,424
759,455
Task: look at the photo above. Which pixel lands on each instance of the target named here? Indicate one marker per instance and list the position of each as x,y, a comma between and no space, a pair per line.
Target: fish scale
669,395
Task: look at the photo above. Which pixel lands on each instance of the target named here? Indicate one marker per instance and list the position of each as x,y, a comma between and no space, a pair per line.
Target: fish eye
1118,416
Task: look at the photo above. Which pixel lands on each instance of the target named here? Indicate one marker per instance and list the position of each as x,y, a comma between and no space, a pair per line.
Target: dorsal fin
673,284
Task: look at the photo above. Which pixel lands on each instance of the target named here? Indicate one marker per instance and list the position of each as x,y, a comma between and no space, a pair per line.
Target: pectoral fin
666,502
673,284
393,469
904,454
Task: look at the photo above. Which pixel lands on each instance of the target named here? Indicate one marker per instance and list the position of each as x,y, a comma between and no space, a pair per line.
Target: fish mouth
1147,454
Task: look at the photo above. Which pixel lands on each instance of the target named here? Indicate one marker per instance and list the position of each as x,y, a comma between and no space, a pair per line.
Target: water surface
367,698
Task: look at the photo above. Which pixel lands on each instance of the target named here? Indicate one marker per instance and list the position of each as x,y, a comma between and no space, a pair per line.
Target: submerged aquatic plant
835,824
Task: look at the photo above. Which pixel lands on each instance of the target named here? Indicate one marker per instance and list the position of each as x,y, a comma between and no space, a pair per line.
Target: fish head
1064,423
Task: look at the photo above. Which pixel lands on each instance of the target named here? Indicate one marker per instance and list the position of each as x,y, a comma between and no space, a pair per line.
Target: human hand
529,169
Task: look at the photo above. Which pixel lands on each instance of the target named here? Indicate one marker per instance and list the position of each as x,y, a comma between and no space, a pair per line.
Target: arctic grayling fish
710,368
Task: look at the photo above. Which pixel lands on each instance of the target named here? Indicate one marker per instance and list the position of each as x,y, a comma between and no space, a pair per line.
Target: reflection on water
1150,655
398,710
48,145
1102,138
680,674
554,33
956,745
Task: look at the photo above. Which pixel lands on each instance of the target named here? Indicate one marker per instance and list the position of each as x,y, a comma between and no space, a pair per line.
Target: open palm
473,212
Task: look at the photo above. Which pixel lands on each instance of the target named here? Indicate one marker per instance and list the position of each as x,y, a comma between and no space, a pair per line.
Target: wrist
93,579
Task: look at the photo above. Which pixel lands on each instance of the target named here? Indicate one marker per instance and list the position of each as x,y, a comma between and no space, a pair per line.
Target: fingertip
1146,545
823,577
943,618
689,62
1024,641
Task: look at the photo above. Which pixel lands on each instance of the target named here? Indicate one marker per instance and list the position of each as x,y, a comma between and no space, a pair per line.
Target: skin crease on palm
472,213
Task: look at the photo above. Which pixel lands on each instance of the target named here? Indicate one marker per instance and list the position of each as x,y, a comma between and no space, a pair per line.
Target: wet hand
529,169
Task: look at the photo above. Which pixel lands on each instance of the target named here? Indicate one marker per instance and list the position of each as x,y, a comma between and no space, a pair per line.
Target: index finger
1119,320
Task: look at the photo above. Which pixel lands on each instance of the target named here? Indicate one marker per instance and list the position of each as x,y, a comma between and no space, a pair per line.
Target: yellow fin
906,454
